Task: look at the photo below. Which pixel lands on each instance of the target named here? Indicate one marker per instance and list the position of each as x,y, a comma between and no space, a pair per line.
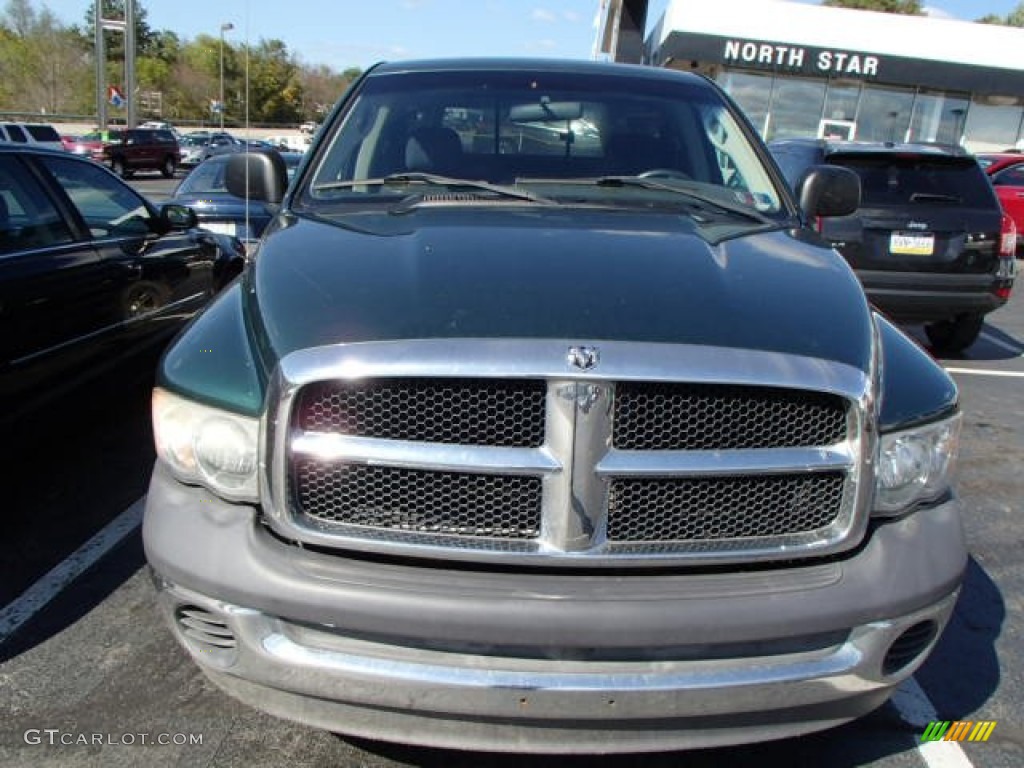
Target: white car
33,134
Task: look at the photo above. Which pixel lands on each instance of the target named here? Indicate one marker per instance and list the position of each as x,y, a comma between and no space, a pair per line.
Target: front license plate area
912,244
220,227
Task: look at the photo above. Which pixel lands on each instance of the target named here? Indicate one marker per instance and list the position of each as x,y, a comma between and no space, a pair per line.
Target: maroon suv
139,149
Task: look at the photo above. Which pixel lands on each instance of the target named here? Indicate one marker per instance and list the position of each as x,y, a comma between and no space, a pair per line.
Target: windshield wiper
654,184
433,179
932,197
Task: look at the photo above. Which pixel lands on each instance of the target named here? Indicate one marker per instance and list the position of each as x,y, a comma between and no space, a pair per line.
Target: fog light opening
909,646
204,630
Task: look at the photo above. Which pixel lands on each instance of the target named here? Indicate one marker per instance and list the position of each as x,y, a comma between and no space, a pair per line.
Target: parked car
1006,171
199,145
545,451
89,271
32,134
930,242
141,149
217,209
93,144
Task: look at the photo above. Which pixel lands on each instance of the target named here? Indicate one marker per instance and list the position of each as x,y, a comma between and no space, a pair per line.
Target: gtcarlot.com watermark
56,737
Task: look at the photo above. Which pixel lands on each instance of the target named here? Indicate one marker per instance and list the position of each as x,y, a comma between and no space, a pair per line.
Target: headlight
915,465
216,448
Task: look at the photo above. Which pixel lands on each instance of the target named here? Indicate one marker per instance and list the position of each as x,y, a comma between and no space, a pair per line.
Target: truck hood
571,274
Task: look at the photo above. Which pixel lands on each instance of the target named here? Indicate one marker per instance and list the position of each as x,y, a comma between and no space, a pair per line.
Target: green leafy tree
41,60
114,41
275,93
907,7
48,66
1014,18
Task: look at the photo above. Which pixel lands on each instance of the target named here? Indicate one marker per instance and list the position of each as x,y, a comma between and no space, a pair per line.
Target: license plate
220,227
914,245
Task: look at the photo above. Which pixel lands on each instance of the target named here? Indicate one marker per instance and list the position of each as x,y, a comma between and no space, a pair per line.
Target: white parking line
987,372
917,710
15,614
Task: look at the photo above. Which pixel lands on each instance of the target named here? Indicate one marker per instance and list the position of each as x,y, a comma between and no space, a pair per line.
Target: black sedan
218,210
90,271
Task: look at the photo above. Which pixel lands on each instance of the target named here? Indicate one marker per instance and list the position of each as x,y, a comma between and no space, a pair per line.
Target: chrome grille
397,499
660,416
500,451
701,509
451,411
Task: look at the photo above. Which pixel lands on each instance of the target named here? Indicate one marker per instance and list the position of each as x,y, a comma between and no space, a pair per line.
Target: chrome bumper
538,662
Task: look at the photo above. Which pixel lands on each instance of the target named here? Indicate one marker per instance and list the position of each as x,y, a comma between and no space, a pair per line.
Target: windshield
563,134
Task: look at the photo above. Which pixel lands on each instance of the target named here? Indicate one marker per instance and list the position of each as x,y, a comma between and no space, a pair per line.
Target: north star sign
777,55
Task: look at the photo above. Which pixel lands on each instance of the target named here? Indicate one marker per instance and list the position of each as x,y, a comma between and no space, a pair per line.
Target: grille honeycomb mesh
453,411
451,503
722,508
667,416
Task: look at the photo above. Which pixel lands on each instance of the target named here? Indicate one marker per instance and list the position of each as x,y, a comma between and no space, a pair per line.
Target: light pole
225,27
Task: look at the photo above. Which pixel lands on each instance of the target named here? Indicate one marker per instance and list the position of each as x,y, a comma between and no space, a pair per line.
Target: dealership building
808,70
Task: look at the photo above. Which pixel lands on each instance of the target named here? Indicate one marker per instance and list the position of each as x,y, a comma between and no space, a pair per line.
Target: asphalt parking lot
90,677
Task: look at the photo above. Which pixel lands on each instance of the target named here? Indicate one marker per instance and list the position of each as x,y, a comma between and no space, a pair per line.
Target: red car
92,144
1006,171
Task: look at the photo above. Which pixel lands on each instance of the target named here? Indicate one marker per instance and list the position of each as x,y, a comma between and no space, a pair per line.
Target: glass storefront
994,123
753,92
781,106
939,116
884,113
796,108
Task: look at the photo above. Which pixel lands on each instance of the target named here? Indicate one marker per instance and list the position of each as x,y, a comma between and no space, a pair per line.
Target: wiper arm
654,184
931,197
636,181
433,179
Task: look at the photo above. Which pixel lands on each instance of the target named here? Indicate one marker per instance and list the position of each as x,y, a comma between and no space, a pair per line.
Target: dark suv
929,243
139,149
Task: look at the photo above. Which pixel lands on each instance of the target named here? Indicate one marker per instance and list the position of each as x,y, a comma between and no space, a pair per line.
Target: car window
794,160
108,206
43,132
899,179
16,134
207,177
28,218
1010,177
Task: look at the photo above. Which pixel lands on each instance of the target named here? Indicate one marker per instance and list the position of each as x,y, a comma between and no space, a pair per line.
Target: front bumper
537,662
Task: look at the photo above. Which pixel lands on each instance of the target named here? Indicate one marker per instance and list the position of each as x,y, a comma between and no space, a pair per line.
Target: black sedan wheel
144,297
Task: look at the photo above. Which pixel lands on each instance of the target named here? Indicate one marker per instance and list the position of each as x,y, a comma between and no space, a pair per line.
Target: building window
753,92
796,108
993,123
938,117
884,113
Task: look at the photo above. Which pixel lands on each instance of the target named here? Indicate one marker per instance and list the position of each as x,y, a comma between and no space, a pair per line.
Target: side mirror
829,190
257,176
177,217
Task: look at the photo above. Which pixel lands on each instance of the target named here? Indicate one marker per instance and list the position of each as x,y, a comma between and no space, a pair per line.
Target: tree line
49,68
914,8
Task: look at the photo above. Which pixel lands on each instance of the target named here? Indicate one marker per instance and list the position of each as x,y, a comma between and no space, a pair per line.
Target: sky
358,33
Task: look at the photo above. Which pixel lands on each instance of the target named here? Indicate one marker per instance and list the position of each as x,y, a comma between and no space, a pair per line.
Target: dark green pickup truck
543,421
